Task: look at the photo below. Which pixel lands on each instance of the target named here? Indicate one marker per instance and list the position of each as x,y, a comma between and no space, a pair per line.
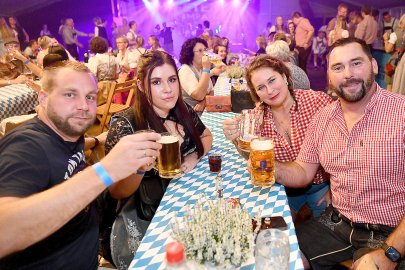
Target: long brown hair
264,61
145,115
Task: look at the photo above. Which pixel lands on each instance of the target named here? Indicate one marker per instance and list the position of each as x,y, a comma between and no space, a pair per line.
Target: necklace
283,129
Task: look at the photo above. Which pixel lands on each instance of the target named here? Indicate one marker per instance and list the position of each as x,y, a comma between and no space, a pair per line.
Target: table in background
236,182
17,99
222,87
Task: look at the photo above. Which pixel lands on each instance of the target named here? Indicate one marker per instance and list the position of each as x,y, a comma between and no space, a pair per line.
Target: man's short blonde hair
50,73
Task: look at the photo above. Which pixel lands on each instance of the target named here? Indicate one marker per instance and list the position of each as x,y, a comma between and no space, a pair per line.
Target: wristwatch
391,252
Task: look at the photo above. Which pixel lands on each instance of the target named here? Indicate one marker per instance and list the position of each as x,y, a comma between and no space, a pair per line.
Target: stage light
156,3
236,3
221,2
170,3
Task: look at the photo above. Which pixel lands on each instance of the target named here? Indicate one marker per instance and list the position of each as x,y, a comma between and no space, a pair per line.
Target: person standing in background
19,32
69,35
367,29
99,29
304,32
167,36
132,34
45,31
342,15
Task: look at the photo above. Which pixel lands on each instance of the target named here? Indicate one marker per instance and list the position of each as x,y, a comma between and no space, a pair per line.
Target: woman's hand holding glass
206,64
230,127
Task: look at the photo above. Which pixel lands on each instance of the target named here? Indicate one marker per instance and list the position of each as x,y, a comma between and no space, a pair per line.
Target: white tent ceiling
19,7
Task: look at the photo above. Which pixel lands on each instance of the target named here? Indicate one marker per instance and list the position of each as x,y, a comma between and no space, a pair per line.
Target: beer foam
261,145
168,139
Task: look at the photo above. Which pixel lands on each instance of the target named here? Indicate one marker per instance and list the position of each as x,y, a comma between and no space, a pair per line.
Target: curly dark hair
186,53
98,45
269,62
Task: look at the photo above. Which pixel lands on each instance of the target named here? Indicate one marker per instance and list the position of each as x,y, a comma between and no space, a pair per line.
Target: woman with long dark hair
158,106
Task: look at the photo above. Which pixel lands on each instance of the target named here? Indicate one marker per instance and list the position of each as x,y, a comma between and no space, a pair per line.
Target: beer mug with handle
249,128
262,160
272,250
169,160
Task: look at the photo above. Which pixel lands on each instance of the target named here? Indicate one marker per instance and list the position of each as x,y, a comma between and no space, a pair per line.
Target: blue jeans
310,195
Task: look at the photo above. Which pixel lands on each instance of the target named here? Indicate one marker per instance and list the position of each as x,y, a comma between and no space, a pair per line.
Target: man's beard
357,96
63,125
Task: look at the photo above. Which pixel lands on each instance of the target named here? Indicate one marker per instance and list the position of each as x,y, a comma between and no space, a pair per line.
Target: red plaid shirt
367,165
308,104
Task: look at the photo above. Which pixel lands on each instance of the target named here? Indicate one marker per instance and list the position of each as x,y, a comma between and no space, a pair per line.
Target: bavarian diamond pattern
184,192
17,99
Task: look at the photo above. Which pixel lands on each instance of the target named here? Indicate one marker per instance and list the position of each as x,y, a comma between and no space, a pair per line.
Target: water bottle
175,258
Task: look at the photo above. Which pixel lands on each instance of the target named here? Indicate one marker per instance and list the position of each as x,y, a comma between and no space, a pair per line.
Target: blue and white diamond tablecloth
236,182
16,99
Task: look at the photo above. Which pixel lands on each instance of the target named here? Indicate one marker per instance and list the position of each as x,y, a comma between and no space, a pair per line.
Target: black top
166,34
124,124
33,159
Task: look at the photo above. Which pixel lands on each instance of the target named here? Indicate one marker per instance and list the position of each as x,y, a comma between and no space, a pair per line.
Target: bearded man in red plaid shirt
360,141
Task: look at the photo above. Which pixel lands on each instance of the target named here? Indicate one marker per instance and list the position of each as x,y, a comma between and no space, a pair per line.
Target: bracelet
96,143
140,172
26,62
102,174
206,71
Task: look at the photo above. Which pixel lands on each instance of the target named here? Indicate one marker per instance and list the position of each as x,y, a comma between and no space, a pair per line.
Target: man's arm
18,80
295,174
378,258
47,211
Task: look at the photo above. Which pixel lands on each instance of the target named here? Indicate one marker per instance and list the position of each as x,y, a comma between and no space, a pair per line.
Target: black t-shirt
33,159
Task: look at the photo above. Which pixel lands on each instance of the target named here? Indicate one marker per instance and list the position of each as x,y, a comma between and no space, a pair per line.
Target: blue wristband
103,174
26,62
206,71
140,172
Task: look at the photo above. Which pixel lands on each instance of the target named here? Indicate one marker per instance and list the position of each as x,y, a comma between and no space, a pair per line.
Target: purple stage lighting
235,3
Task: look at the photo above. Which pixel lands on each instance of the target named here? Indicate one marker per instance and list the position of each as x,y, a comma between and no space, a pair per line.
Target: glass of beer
262,162
169,160
214,58
249,124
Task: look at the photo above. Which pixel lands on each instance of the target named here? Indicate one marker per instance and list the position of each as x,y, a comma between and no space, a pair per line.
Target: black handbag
150,193
241,100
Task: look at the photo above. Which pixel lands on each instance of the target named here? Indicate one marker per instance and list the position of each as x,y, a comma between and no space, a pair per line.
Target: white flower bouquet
217,233
235,72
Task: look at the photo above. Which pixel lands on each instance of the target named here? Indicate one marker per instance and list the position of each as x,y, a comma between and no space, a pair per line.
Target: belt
336,217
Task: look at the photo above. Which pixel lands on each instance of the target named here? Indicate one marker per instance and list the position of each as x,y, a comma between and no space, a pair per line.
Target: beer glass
249,124
262,161
169,157
214,58
272,250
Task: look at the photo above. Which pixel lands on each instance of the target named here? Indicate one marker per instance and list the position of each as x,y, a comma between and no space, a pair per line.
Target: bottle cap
174,253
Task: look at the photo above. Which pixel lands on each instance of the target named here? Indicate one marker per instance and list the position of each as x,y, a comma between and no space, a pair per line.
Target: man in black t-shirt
47,218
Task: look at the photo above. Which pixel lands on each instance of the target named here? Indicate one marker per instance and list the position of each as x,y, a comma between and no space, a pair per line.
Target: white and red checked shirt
367,165
308,104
